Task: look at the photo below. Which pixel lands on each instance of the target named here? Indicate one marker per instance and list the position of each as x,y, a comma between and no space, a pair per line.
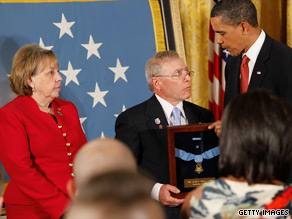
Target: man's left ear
155,83
245,27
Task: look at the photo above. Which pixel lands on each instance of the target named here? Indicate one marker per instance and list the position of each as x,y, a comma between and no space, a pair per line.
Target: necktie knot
244,71
245,60
176,113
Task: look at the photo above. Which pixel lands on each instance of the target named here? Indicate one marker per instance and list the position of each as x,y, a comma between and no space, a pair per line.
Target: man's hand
165,196
217,127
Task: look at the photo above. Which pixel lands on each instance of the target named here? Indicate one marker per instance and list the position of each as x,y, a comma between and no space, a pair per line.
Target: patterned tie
176,116
244,74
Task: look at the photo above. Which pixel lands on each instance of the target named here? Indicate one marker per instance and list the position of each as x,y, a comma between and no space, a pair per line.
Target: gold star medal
198,160
199,168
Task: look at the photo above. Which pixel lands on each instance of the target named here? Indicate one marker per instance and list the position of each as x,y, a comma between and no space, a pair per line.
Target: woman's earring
33,90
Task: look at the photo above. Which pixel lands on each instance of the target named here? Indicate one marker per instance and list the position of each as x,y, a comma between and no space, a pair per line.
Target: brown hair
27,63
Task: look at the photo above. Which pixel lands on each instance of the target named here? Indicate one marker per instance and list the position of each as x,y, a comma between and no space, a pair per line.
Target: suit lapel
191,116
260,68
157,122
235,76
154,111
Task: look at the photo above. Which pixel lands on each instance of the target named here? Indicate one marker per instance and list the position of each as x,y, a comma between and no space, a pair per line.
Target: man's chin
231,52
187,97
234,53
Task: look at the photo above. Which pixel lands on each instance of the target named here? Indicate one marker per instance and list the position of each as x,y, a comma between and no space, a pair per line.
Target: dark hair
233,12
256,138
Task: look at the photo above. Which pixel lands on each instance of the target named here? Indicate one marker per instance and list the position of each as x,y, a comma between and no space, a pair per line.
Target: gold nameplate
191,183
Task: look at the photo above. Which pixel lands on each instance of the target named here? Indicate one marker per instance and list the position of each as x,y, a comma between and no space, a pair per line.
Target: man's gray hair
154,65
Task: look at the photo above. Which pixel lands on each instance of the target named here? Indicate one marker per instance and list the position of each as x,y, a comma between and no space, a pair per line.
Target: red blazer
38,153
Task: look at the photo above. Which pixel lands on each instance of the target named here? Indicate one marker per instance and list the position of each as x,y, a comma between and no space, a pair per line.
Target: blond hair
27,62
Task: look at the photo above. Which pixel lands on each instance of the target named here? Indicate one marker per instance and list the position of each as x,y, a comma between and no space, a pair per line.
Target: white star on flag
41,44
81,121
71,74
123,109
226,53
65,27
102,135
92,48
98,96
119,71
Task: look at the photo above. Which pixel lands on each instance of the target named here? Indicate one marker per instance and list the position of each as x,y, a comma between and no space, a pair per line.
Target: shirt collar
254,50
168,107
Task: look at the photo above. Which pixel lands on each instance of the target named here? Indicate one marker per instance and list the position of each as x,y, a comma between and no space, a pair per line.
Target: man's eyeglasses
179,74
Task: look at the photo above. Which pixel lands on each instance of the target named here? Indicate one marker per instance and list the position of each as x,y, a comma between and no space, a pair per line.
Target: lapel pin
258,73
157,121
160,127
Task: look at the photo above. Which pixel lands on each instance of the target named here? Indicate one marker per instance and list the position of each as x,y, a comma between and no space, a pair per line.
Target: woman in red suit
39,137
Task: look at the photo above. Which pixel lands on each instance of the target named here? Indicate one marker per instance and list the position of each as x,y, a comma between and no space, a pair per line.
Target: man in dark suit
143,127
270,62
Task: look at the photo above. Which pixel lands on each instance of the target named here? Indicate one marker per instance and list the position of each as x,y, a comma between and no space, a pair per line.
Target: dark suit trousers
172,212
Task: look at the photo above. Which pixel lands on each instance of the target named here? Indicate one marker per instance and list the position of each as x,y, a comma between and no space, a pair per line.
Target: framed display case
193,152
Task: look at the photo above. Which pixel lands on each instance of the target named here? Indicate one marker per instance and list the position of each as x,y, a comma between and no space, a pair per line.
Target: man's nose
219,39
187,77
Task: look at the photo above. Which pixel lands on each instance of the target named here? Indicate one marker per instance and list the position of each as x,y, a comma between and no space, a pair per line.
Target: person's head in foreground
116,195
100,156
256,138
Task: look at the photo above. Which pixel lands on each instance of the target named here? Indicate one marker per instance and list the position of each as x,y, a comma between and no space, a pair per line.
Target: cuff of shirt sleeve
155,191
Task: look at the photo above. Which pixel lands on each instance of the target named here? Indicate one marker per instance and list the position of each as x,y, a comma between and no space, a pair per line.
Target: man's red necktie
244,71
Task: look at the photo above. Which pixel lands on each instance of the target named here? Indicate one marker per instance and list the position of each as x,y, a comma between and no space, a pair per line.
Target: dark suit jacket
137,128
272,71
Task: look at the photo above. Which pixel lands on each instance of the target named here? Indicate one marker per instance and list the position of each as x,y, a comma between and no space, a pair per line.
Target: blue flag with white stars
102,48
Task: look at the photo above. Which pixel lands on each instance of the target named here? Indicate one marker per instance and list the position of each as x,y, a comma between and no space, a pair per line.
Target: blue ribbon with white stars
186,156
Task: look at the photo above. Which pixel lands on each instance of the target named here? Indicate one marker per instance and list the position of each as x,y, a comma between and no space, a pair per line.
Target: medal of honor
199,168
198,160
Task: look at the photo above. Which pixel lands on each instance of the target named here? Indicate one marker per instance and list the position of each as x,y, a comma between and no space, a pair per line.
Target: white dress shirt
167,108
254,51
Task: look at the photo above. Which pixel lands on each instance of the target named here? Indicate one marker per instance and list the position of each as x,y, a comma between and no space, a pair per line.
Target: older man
143,127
